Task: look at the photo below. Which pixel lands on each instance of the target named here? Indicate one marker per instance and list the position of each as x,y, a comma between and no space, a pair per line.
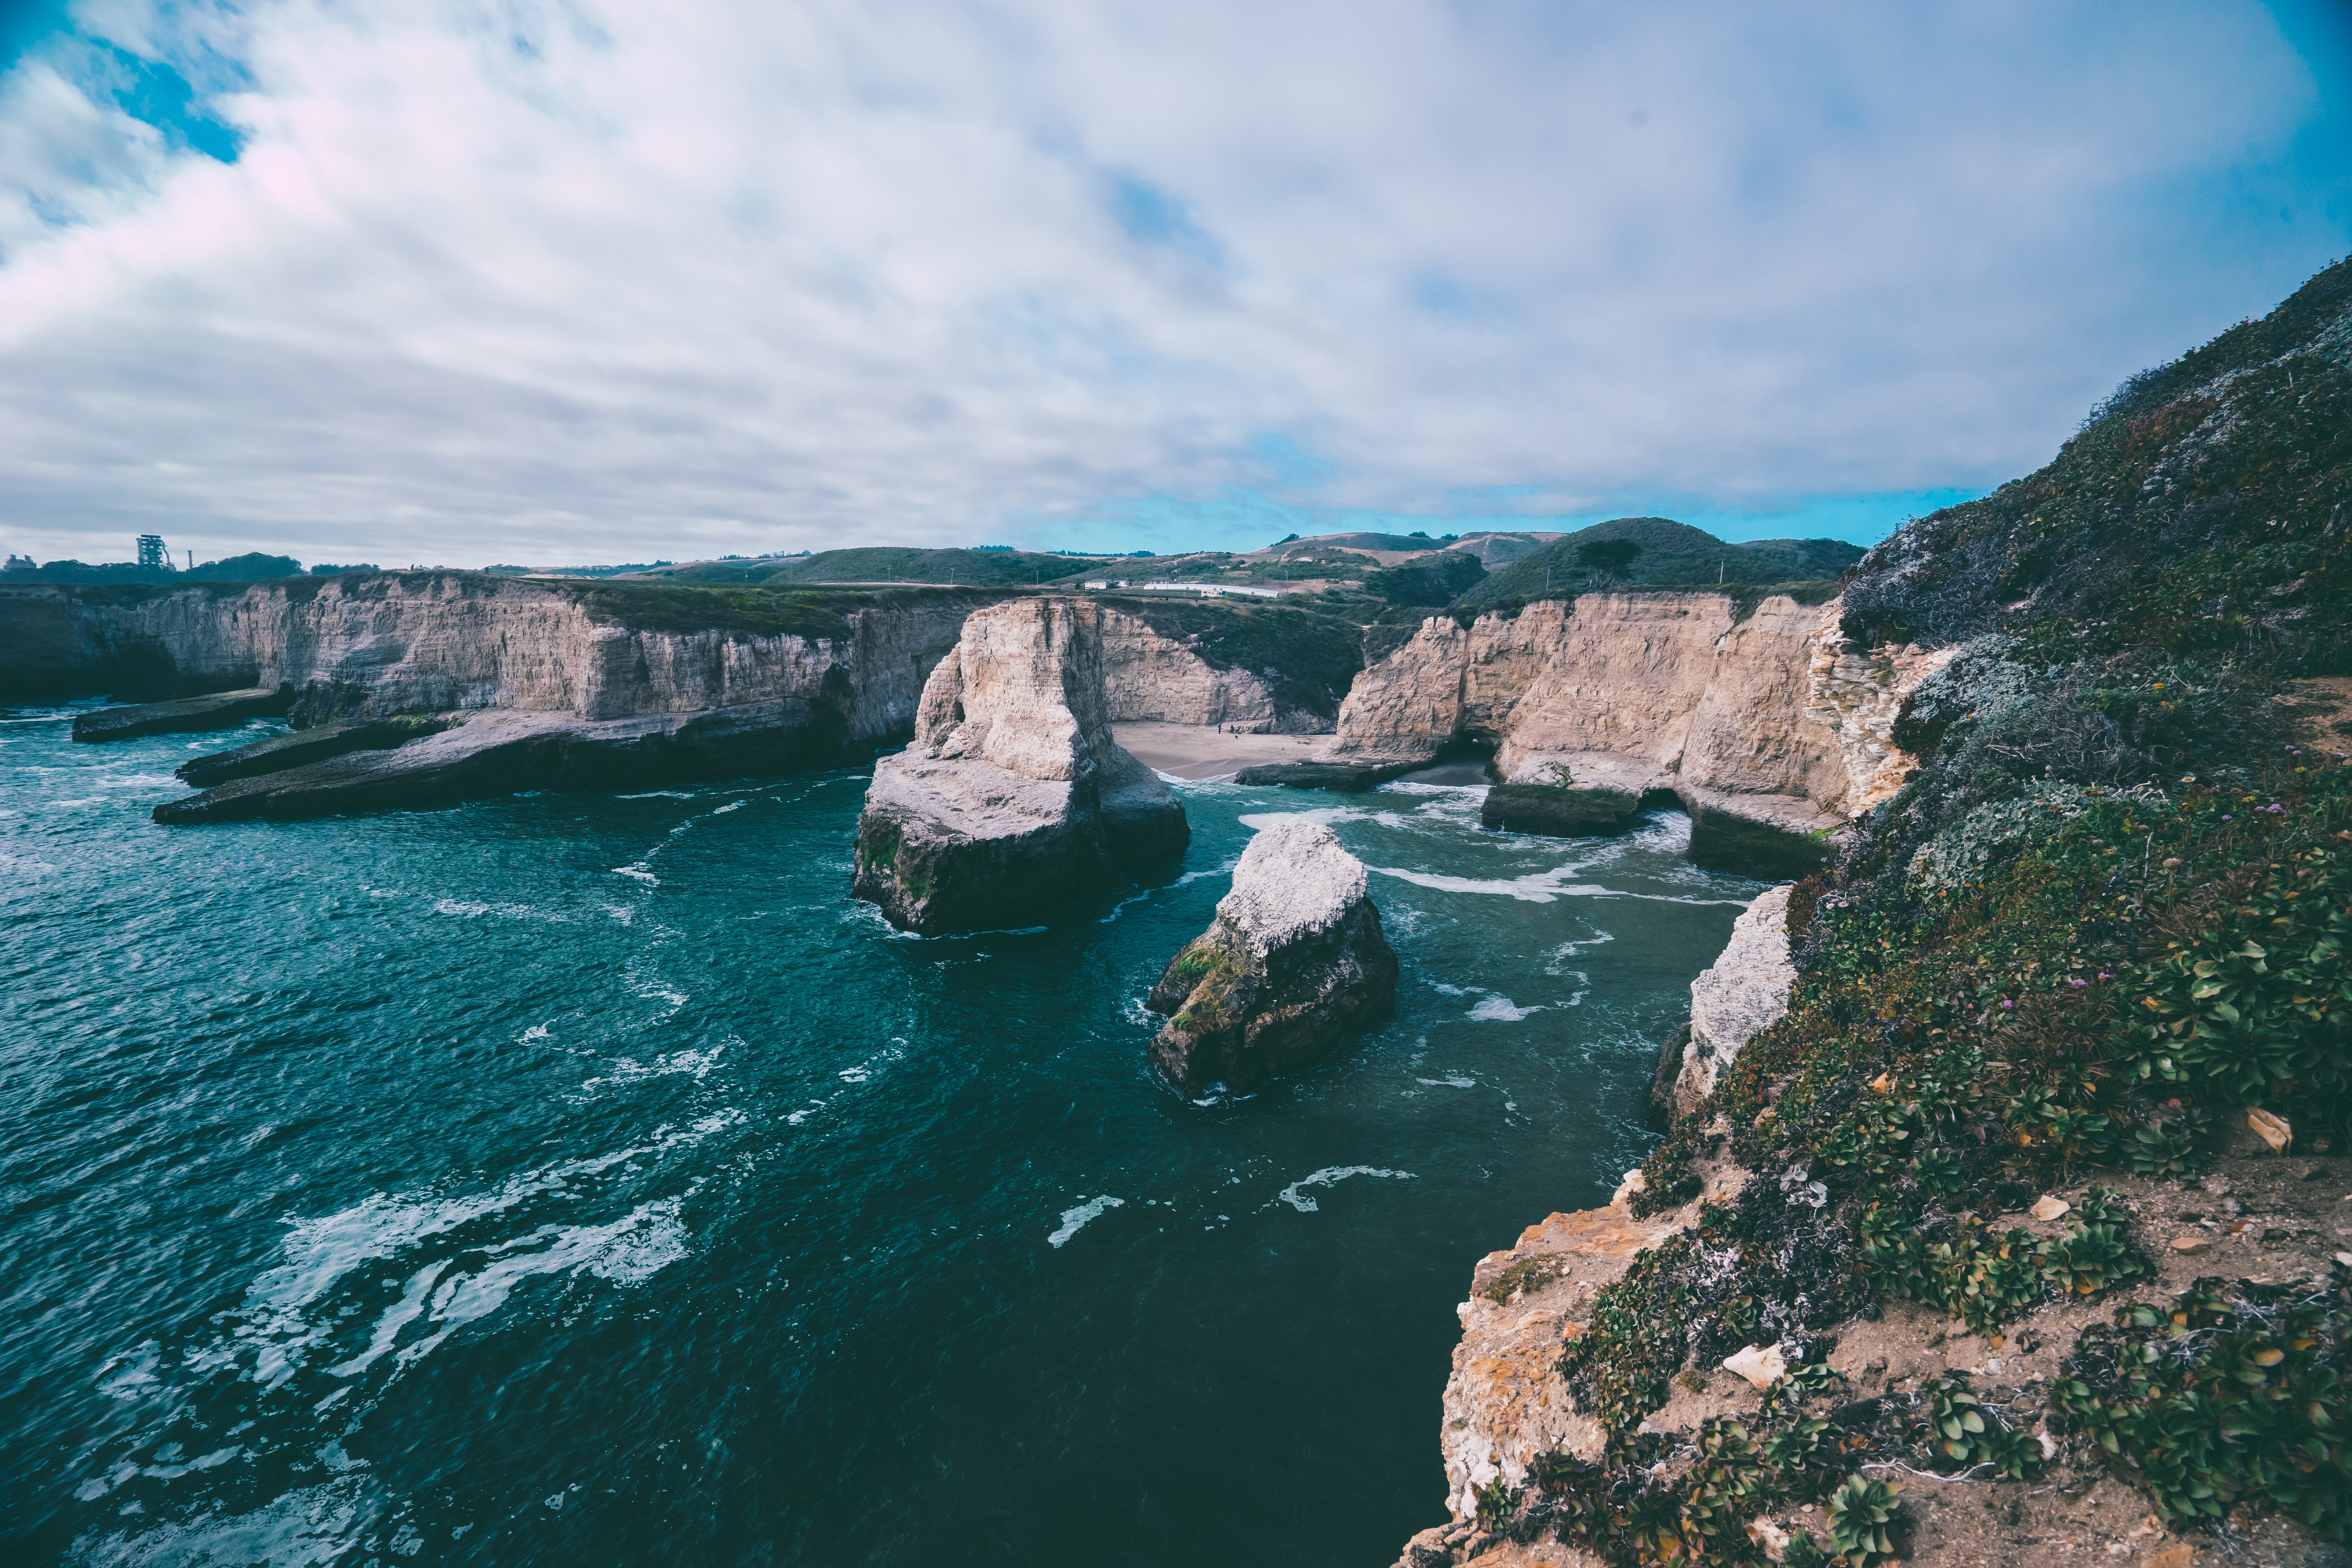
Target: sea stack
1013,798
1292,963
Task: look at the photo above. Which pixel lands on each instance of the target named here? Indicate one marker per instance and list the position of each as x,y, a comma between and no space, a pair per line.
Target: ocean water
581,1179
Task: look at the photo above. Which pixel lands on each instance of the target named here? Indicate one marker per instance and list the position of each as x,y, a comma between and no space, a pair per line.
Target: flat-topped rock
280,752
496,751
1294,963
216,710
1013,798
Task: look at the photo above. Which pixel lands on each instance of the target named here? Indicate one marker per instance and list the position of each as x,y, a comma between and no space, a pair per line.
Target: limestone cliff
1765,717
1013,798
1292,963
372,644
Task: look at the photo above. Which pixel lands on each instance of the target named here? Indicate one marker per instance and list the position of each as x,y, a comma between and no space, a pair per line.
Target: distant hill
1661,551
967,568
887,563
1497,550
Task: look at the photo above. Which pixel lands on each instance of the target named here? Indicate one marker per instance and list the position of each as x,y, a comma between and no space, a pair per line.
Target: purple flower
2273,808
2075,983
2007,1003
2105,975
2225,817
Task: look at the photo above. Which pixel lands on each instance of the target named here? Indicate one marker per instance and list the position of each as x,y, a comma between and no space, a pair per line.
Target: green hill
885,563
1662,552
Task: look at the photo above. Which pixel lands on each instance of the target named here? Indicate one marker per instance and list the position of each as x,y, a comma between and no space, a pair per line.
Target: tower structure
151,551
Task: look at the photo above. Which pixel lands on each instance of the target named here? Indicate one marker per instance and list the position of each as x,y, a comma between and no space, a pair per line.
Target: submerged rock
1294,963
1564,810
1012,797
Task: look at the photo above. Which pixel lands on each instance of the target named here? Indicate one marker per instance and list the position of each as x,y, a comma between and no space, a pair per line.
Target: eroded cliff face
372,645
1771,717
1151,678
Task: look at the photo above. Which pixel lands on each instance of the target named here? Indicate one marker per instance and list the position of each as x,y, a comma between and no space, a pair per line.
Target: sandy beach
1201,752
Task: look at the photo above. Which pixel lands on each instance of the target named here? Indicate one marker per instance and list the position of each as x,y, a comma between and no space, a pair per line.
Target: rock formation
1741,996
1012,797
689,675
1294,963
217,711
1766,726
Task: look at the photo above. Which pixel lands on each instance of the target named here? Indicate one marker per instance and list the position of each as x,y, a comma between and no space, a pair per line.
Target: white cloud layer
568,279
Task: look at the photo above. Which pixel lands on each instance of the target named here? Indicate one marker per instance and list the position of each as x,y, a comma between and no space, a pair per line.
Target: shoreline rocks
1294,963
216,710
1012,797
497,750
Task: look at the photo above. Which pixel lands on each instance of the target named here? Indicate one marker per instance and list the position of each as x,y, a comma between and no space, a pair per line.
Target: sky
560,281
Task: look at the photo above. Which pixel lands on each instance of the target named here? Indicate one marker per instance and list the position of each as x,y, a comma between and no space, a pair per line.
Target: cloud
562,279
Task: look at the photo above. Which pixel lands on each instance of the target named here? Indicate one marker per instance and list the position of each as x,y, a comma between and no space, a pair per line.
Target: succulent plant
1862,1520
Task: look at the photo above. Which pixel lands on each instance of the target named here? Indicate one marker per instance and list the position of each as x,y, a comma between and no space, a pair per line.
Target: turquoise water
573,1179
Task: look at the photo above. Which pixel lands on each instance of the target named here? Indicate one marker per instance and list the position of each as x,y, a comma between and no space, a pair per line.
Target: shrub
2212,1400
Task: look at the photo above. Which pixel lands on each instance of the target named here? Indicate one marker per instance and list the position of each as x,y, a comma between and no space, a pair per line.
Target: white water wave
1073,1220
1499,1010
1328,816
1539,887
1295,1196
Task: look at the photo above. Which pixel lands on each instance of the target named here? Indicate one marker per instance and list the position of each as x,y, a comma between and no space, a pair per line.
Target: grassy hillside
2108,915
1657,551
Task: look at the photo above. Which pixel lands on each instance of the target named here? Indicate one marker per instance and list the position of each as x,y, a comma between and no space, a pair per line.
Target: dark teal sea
581,1179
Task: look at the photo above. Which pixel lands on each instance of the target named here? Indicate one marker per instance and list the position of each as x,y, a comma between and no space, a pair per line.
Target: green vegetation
1526,1274
2221,1397
962,568
1431,580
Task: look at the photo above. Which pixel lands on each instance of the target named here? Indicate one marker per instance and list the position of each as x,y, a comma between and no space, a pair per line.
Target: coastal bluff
1756,714
1294,961
1013,798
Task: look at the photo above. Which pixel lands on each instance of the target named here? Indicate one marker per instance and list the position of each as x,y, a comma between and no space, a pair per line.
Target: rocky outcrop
498,750
1567,811
366,646
217,711
1766,725
1013,798
1294,963
1741,996
280,752
1505,1404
